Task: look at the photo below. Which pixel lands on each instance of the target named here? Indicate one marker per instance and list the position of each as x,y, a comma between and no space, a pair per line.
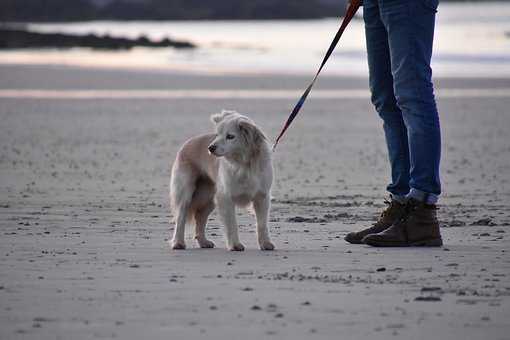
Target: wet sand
84,217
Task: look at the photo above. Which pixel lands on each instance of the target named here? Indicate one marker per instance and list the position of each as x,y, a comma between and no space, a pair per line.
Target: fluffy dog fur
227,169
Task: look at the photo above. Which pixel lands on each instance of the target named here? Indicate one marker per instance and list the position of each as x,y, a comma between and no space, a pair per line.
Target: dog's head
237,136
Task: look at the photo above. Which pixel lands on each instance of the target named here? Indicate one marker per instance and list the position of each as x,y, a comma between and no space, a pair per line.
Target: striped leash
349,14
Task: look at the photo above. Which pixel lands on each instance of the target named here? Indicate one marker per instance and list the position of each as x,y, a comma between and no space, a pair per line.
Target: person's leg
383,98
384,101
410,27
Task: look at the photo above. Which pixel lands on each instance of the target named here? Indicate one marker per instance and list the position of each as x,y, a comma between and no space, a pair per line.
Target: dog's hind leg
202,204
201,216
177,241
181,190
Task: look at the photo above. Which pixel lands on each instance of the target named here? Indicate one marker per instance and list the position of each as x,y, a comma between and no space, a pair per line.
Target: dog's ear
251,133
218,117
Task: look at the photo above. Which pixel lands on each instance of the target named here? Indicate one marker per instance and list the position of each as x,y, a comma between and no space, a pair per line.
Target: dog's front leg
227,211
261,205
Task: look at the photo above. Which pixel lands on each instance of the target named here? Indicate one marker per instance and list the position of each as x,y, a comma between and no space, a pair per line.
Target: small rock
455,223
297,219
483,221
428,298
432,289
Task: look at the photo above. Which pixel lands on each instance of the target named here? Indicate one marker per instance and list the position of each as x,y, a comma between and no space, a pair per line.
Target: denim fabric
399,35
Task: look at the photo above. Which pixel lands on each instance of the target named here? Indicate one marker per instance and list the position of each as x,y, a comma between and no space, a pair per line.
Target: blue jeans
399,35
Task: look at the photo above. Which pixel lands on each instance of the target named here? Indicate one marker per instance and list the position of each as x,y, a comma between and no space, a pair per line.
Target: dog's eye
229,136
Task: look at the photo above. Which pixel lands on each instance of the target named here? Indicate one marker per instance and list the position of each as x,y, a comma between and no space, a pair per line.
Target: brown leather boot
418,227
389,215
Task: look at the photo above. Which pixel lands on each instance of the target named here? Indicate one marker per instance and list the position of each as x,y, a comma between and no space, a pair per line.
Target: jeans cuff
423,196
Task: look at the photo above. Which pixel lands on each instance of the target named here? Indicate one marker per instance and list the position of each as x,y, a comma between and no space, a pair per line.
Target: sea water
471,40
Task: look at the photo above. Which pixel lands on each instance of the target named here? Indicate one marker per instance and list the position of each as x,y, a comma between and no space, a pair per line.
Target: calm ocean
472,40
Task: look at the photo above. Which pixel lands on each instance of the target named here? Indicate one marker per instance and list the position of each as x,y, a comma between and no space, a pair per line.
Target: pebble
428,298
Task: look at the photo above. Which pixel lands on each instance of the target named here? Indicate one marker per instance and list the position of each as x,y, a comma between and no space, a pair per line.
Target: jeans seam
412,43
402,155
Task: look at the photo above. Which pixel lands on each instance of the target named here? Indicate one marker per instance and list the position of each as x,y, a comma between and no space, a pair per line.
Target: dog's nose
212,148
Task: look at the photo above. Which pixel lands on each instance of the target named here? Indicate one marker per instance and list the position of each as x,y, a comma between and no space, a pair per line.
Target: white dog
227,169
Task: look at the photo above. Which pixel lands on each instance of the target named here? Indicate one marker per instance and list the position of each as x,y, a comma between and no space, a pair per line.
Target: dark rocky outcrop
11,38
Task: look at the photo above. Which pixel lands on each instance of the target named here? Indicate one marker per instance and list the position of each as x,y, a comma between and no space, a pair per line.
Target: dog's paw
266,245
236,247
204,243
177,245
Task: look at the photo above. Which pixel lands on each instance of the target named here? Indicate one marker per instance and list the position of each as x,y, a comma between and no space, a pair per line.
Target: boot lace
388,209
408,210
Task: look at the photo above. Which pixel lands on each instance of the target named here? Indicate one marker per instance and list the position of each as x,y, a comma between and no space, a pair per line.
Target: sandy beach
84,213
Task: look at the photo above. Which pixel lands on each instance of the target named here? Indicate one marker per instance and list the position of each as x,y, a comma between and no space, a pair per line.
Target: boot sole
438,242
353,241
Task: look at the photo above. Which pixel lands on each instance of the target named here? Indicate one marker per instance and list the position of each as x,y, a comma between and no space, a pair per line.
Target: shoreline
136,60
